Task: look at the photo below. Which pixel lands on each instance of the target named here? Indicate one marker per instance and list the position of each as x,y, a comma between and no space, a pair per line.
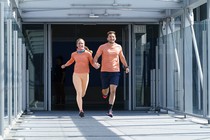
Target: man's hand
127,70
96,65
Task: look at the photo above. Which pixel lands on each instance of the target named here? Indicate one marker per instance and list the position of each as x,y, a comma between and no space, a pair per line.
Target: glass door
140,61
143,55
35,43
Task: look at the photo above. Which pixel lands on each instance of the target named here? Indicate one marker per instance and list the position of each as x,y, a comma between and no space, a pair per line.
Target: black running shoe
109,113
82,114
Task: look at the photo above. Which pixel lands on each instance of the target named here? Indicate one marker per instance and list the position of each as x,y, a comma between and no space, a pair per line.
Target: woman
82,57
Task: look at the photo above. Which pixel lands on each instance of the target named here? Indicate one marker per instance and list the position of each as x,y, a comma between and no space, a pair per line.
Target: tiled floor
125,125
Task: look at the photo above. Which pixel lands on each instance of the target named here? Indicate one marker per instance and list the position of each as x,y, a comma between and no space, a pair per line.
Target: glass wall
197,77
12,54
139,63
196,80
186,77
34,34
174,68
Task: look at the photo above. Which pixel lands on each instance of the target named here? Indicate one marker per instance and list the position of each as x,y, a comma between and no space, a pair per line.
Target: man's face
111,38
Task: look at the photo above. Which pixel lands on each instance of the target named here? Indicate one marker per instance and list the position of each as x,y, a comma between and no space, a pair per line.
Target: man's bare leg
112,99
105,93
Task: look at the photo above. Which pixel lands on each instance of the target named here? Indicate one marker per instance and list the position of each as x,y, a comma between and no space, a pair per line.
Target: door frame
48,67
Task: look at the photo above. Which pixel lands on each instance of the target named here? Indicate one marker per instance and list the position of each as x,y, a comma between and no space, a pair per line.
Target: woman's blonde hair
86,48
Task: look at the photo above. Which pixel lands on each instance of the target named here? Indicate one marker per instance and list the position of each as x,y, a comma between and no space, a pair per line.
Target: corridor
125,125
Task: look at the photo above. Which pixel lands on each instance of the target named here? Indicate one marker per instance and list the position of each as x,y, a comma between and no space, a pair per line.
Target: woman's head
80,44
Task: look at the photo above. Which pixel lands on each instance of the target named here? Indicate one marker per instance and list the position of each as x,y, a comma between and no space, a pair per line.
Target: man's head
111,37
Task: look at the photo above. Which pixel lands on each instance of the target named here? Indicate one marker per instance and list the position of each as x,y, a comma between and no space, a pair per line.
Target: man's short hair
111,32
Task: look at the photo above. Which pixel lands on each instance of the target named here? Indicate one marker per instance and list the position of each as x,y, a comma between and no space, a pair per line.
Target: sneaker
82,114
104,96
109,113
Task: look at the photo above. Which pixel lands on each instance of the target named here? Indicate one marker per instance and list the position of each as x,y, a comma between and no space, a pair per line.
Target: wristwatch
126,68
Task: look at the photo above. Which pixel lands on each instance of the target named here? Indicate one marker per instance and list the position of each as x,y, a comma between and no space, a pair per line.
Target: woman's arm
68,63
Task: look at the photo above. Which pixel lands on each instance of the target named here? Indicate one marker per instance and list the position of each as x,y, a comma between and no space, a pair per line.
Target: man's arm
97,55
124,62
92,62
95,59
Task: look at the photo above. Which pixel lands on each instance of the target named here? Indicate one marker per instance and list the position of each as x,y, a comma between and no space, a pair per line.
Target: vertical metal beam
188,79
175,48
47,71
205,96
169,67
15,41
9,69
156,72
153,104
208,55
1,69
177,84
27,92
133,69
164,97
23,70
128,89
161,99
20,74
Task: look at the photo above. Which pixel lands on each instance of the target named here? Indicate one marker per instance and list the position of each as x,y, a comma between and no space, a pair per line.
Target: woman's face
81,44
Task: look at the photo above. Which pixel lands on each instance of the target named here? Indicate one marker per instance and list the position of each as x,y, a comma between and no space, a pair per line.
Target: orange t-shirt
81,61
110,57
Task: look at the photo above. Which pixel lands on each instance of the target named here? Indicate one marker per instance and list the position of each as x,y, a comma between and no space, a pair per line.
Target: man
112,54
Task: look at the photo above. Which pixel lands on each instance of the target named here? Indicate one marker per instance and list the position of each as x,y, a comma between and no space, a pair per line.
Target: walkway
125,125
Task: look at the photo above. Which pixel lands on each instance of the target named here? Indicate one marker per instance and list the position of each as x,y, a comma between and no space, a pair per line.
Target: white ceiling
97,10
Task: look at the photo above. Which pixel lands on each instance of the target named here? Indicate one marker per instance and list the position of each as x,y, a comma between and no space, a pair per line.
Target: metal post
208,57
157,94
48,50
204,41
175,48
1,69
9,69
20,94
152,91
177,82
23,70
15,40
164,97
27,112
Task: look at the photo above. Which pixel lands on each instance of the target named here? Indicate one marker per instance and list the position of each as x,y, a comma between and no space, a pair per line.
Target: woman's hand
96,65
63,66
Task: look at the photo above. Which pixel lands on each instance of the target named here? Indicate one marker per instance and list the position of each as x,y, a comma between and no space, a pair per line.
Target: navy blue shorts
108,78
